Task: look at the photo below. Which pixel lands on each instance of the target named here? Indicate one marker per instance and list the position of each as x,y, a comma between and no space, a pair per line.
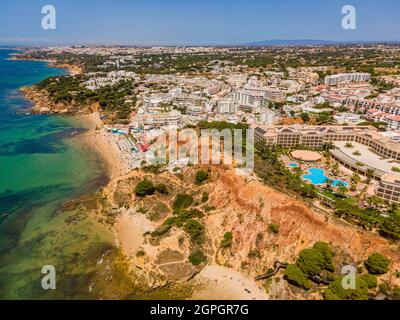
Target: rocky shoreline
72,69
43,104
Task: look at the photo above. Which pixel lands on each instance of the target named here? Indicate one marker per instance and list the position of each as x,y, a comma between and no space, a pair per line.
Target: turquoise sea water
41,166
317,177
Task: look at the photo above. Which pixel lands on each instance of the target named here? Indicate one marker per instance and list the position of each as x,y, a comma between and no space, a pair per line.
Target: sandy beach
97,139
129,230
222,283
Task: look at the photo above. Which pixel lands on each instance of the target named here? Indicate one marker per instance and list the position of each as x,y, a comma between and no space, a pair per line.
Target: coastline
50,173
72,69
97,140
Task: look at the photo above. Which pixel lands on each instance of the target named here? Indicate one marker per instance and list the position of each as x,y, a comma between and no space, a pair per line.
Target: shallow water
41,166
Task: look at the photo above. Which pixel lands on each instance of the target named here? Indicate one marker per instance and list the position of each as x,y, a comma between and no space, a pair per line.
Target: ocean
42,166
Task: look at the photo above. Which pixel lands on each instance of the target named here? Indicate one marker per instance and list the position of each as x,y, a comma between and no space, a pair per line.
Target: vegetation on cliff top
377,264
227,240
144,188
117,100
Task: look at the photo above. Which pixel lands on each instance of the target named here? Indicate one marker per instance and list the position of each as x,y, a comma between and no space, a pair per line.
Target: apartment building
363,104
266,116
388,188
343,77
228,105
158,120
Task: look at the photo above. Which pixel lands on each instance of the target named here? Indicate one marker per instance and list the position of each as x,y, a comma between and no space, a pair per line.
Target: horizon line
260,43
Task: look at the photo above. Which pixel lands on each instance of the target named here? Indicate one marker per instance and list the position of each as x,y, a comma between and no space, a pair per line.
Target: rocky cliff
240,205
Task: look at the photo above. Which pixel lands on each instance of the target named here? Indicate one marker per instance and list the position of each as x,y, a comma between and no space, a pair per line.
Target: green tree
201,176
327,254
196,231
311,261
308,190
182,201
377,263
391,226
227,240
296,277
342,190
335,168
273,228
162,188
370,174
144,188
336,291
328,185
355,178
197,257
370,280
305,117
204,197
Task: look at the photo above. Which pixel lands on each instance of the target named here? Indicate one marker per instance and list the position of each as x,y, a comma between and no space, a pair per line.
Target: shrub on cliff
196,231
377,264
204,197
144,188
197,258
185,215
182,201
327,253
370,280
201,176
273,228
296,277
162,188
311,261
336,291
226,241
316,259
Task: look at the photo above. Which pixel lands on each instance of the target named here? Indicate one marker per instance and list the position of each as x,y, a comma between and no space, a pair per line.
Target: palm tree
328,184
370,174
355,178
342,190
335,168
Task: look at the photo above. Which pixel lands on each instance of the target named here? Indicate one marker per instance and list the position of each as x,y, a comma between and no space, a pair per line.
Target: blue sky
191,22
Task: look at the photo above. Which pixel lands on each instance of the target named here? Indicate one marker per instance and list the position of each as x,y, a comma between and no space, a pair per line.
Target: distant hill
283,42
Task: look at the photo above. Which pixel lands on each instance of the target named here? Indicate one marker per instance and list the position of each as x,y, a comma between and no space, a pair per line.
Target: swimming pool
317,177
293,165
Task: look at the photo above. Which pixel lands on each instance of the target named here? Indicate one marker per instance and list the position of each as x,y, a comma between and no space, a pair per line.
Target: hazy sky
169,22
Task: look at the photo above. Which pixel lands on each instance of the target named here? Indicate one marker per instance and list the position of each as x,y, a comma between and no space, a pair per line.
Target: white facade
342,77
227,106
266,117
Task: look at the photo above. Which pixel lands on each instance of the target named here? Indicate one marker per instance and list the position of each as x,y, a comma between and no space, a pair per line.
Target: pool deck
319,174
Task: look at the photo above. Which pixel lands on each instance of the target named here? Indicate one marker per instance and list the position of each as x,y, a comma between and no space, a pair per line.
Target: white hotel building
347,77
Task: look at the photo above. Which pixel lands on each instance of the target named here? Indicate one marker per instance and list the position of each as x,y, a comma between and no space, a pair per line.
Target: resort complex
361,149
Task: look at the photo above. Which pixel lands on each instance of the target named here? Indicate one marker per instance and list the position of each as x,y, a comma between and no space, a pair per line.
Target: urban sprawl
332,113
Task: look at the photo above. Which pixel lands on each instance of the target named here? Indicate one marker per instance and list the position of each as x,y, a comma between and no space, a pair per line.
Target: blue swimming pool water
293,165
317,177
